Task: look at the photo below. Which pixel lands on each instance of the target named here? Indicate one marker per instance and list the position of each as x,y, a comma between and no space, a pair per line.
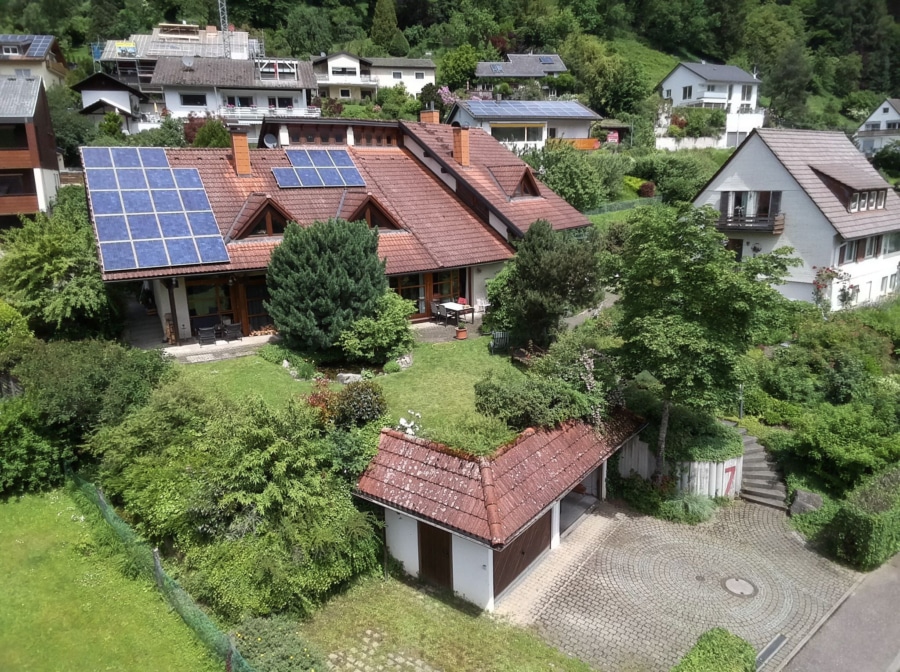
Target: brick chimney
461,145
430,117
240,150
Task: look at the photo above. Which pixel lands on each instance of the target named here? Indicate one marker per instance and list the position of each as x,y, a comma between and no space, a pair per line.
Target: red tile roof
485,154
490,499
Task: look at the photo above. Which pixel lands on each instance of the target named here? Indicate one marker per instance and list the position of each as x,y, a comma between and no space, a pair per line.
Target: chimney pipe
240,151
430,117
461,145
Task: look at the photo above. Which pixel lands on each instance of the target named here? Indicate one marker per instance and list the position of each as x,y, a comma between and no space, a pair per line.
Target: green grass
602,222
67,607
243,376
656,64
445,633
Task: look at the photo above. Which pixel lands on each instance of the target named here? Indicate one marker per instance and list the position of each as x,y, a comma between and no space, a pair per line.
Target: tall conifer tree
384,23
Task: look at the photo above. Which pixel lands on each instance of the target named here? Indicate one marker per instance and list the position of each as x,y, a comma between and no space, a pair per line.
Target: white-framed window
873,126
892,283
884,110
747,92
420,75
10,50
687,92
871,247
863,201
668,93
193,100
847,252
892,125
880,202
884,285
854,202
348,72
396,74
872,199
891,242
710,87
345,93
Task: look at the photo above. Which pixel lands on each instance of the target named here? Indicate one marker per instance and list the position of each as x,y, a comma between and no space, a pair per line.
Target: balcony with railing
325,78
761,223
232,113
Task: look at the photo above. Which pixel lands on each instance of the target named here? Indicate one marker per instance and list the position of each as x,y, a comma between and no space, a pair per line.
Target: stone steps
761,479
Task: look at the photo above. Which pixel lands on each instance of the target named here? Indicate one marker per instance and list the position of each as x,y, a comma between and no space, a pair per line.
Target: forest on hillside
846,51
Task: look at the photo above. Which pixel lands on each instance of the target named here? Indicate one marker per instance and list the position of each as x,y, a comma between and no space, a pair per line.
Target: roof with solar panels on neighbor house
182,211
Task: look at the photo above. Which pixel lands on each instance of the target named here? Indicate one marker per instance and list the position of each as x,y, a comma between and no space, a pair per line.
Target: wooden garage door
435,560
515,558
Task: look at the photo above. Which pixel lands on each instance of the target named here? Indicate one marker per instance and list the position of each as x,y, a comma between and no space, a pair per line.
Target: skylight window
496,67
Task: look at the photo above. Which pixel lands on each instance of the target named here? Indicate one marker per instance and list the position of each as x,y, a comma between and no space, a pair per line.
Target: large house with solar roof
32,56
200,224
528,124
520,68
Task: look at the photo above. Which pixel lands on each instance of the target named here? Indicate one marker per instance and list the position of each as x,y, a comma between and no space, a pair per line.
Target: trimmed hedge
718,650
866,529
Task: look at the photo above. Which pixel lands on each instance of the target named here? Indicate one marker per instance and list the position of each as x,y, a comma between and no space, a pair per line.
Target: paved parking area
628,593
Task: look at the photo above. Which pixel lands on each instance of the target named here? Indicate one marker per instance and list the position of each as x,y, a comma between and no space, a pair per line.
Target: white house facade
33,56
812,191
881,128
521,125
350,77
724,87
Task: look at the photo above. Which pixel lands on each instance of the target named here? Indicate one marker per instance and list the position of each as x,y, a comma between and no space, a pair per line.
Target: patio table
457,309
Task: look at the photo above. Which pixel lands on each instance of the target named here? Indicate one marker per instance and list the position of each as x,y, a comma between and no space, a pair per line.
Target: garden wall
714,479
674,144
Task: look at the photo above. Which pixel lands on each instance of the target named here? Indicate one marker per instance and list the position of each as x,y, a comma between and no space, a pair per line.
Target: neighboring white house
521,124
815,192
474,525
724,87
240,91
881,128
518,69
102,93
347,76
33,56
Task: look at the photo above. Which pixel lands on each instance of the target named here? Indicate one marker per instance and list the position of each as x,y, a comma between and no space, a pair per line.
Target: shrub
359,404
866,528
633,183
718,650
647,190
639,493
352,449
276,353
274,644
687,508
524,401
475,434
29,460
391,367
388,334
14,333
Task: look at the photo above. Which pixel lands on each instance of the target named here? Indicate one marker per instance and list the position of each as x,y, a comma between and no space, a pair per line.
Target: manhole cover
740,587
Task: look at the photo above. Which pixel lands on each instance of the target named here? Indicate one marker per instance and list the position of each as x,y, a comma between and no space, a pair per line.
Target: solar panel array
318,168
496,67
147,214
39,44
546,60
527,108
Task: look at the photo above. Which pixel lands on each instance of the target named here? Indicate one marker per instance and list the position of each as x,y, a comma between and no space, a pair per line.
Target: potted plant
461,333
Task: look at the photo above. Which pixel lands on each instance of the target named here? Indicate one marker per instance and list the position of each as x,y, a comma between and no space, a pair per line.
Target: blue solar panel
534,109
132,178
117,256
153,157
160,178
341,158
212,249
96,157
187,178
40,46
136,202
111,228
167,200
546,60
143,227
106,202
151,253
309,177
298,158
125,157
182,251
320,158
195,199
202,223
351,177
174,225
331,177
101,178
286,178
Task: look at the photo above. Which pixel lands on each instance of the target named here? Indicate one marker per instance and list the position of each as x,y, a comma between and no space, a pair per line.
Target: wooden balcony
773,224
19,204
16,158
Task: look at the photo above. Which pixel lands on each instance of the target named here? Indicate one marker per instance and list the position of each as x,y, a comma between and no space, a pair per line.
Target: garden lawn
442,632
441,382
64,608
248,375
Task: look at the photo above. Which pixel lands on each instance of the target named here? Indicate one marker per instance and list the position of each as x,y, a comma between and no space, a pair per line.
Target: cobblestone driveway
631,593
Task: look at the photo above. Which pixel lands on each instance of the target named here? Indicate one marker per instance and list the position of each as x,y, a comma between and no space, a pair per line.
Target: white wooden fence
714,479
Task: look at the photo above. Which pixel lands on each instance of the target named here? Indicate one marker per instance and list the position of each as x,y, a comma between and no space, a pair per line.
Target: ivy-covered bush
388,334
274,644
866,528
718,650
30,460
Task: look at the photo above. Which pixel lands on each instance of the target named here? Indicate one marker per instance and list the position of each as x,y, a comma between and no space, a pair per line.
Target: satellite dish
270,141
187,62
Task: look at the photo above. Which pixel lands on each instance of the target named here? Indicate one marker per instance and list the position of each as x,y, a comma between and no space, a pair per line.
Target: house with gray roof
725,87
29,170
880,128
347,76
518,69
815,192
33,56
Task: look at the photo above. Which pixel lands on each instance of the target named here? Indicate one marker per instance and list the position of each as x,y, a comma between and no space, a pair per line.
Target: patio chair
233,331
481,305
499,342
442,314
206,336
435,311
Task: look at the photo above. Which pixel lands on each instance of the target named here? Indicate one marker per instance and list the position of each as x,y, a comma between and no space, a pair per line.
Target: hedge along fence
866,528
718,650
618,206
146,562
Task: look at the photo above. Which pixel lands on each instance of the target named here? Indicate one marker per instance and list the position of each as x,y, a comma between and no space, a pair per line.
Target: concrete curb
803,642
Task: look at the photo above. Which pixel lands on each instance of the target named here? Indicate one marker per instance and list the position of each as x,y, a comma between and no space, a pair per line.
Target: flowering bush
826,275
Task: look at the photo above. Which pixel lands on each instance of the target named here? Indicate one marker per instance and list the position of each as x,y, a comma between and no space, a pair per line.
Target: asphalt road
863,635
